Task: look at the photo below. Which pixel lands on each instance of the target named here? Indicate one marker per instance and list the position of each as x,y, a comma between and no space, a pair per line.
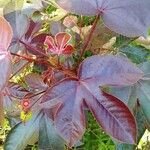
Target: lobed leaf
130,17
48,137
71,96
19,137
140,91
114,117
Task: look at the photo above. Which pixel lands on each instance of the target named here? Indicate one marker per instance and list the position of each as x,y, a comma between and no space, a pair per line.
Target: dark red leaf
70,95
114,117
33,28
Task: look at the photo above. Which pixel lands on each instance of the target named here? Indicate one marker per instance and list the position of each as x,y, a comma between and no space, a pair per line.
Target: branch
90,35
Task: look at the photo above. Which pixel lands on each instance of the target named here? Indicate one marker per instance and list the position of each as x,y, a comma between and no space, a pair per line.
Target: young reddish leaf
109,70
49,41
59,45
129,17
68,49
62,39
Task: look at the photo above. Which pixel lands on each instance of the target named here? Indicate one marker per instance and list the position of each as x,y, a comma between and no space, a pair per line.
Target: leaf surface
5,34
109,70
5,58
130,17
71,95
139,91
35,81
48,136
21,134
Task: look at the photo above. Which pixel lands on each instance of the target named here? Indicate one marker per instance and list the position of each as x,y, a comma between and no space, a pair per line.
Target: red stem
34,49
24,57
90,35
65,71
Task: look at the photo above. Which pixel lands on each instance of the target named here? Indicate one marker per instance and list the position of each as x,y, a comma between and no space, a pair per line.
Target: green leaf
95,138
143,91
48,137
122,41
23,134
138,54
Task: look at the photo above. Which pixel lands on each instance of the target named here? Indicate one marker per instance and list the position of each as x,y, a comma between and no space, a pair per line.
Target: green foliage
85,20
122,41
50,9
133,50
23,134
95,138
138,54
88,54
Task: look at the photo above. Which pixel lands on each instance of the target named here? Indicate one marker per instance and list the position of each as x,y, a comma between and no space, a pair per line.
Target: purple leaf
24,133
70,118
16,90
5,34
35,81
109,70
34,27
114,117
48,136
5,58
34,43
70,96
5,69
15,18
139,91
129,17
